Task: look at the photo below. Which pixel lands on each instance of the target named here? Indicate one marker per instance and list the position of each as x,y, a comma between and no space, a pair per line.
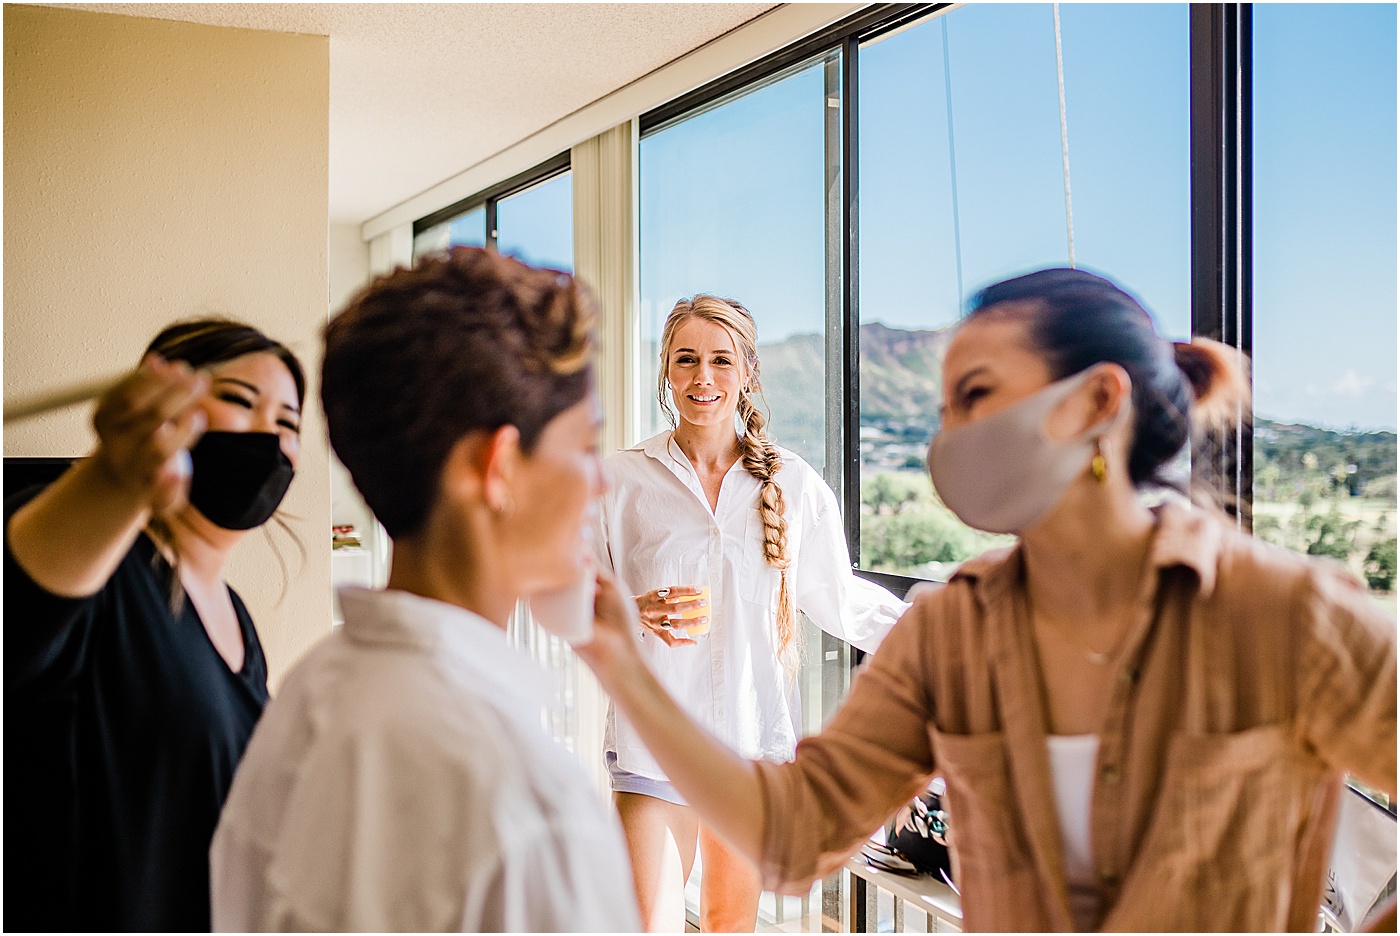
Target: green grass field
1375,519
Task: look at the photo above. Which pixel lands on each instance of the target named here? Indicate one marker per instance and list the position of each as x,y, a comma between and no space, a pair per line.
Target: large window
1324,283
733,203
529,217
970,173
1232,166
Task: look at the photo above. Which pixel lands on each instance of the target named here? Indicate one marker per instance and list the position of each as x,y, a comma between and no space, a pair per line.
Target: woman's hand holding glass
671,611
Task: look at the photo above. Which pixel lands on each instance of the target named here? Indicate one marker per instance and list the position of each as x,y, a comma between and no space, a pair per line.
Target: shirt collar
656,446
1184,537
402,619
664,448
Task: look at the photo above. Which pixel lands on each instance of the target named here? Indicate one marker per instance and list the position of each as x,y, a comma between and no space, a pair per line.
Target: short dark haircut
466,340
206,341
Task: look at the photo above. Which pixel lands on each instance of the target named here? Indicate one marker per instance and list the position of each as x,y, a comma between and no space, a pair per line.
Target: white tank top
1072,760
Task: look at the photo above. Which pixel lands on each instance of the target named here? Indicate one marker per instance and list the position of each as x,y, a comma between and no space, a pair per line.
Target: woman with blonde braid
771,533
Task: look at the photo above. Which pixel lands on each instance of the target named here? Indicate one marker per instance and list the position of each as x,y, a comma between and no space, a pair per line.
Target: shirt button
1129,676
1110,774
1108,877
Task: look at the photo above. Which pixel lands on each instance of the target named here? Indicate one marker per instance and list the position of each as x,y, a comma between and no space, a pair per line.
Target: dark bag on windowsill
919,833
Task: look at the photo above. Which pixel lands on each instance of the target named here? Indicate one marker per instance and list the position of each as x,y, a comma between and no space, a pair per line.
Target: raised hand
145,426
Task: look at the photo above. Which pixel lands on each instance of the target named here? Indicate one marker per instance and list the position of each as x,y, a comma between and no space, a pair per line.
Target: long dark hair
1076,320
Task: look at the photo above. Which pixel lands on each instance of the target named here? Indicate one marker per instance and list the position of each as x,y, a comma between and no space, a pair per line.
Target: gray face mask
1002,473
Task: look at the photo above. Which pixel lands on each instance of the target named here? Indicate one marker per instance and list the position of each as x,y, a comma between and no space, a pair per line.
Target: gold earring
1098,466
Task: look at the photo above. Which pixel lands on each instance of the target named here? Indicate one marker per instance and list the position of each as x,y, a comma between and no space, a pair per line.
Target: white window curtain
605,249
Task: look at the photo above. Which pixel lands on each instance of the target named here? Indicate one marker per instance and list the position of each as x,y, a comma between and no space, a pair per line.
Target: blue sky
732,200
1324,213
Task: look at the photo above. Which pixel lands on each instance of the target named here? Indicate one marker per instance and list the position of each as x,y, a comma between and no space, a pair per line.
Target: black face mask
238,478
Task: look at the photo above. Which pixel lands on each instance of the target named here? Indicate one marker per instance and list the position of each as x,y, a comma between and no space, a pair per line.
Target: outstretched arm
718,783
72,536
795,821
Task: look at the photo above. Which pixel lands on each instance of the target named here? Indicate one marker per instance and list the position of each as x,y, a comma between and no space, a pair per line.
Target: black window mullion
850,295
1221,229
555,165
492,234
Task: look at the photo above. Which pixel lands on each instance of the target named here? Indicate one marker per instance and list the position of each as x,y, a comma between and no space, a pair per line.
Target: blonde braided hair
757,452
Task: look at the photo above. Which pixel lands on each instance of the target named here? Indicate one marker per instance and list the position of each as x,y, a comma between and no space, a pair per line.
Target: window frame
489,197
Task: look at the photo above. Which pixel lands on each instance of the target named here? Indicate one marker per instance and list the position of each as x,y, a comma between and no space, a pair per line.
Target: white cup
567,612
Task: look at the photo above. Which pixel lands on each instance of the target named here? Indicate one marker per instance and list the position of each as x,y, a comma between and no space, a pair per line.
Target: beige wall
153,171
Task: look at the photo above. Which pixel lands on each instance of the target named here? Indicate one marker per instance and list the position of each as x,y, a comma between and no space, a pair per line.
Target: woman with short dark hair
133,673
1142,715
401,779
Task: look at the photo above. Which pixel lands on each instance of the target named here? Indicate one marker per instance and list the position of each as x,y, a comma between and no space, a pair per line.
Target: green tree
891,492
1331,535
1379,565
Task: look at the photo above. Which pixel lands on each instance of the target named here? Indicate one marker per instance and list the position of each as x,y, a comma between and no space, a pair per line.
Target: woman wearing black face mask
133,674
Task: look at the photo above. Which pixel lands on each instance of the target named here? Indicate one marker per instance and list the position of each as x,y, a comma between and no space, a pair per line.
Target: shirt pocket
758,581
1228,800
1222,837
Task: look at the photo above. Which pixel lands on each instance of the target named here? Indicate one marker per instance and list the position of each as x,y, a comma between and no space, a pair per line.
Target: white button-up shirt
733,682
401,780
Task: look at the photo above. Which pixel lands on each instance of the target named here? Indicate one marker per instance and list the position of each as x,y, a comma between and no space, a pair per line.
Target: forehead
990,341
701,335
262,369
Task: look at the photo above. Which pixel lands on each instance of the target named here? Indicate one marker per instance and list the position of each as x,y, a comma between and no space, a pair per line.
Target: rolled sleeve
1348,673
873,757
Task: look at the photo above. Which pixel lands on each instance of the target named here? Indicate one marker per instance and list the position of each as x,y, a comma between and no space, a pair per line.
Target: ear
480,468
502,463
1111,394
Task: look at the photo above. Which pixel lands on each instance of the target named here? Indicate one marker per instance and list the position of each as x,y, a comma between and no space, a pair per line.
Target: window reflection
466,230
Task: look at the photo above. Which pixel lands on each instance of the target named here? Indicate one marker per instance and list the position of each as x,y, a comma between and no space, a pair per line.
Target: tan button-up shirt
1251,679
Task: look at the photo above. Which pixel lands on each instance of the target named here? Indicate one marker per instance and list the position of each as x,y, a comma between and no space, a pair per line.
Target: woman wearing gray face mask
1142,715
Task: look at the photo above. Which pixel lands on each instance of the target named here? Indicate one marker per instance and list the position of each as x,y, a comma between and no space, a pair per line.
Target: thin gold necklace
1089,653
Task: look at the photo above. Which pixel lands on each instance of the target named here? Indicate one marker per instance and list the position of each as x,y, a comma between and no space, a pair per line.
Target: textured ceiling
421,91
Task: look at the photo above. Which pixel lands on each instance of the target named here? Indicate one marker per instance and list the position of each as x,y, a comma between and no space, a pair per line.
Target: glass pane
1324,283
733,204
962,183
537,225
465,230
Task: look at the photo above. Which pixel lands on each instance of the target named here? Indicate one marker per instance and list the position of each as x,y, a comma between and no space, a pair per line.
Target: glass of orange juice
693,569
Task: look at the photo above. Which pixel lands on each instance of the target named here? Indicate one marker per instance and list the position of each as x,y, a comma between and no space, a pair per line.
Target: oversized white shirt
732,682
401,780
